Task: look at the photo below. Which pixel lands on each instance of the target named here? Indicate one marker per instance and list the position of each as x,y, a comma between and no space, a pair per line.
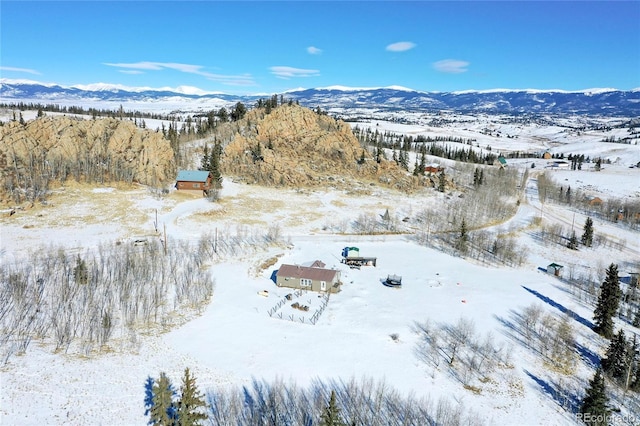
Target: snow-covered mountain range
610,102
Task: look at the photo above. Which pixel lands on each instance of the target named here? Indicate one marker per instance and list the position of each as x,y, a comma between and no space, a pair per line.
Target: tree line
617,210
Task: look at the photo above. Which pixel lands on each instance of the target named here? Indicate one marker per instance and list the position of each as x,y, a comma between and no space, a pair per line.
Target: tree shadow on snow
591,358
561,308
564,397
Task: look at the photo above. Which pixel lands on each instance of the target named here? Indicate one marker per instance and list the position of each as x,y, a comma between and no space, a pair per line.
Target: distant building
595,201
196,181
558,164
555,269
501,162
433,168
308,278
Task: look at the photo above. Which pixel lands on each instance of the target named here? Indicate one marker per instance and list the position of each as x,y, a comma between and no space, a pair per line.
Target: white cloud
451,66
14,69
312,50
290,72
140,67
401,46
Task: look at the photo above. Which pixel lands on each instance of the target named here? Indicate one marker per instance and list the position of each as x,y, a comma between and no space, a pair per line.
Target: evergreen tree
587,235
331,414
204,161
463,237
223,114
238,112
613,365
214,165
476,177
362,158
608,302
404,159
378,152
163,410
631,363
423,159
416,168
598,165
442,180
594,405
573,241
191,402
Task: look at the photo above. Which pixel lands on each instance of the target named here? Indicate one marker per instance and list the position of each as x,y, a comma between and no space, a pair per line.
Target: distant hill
609,102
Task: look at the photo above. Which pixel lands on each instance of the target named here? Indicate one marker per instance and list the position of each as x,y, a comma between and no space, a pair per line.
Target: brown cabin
196,181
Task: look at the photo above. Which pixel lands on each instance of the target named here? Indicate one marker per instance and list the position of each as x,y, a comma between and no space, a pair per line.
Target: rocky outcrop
92,150
295,146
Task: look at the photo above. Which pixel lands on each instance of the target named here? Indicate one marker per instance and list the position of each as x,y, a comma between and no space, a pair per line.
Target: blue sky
269,46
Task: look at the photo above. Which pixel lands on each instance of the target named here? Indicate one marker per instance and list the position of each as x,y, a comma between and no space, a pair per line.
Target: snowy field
367,330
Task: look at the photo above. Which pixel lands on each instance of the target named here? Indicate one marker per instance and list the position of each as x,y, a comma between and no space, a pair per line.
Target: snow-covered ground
367,329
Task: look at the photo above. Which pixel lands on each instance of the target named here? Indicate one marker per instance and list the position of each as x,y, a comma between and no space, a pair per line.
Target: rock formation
99,150
295,146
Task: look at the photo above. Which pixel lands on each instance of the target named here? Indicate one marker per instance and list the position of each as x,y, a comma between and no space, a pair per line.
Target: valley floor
367,330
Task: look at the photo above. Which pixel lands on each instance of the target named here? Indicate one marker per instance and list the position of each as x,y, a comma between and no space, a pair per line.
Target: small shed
308,278
555,269
501,162
194,181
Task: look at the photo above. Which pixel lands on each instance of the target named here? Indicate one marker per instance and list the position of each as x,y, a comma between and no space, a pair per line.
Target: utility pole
165,238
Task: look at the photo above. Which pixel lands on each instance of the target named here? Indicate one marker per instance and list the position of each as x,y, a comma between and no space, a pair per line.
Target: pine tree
587,235
423,159
204,161
608,302
442,180
594,405
416,168
462,237
631,363
613,362
163,410
573,241
404,159
362,158
331,414
191,402
214,165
